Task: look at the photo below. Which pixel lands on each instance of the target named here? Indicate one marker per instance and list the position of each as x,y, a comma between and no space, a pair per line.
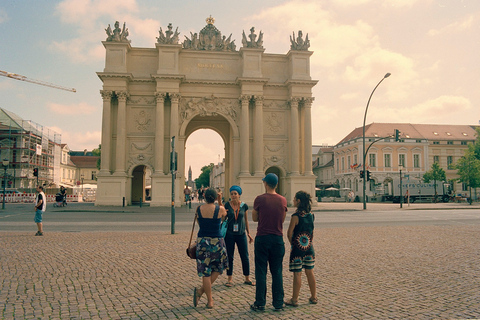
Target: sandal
229,284
195,297
291,303
209,307
249,282
313,300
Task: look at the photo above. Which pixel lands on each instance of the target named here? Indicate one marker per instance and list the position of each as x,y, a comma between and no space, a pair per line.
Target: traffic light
35,172
362,174
368,175
397,135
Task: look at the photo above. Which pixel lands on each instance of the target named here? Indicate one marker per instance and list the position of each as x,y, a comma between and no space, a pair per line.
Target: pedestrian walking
40,207
302,254
237,233
269,210
211,251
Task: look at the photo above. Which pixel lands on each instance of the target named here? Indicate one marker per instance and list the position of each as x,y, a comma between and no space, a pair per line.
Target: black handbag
192,248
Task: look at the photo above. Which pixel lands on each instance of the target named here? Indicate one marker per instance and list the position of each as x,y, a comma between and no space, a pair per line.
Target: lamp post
5,166
401,191
363,151
81,178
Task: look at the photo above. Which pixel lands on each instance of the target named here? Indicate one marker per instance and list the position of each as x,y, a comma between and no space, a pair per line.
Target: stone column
307,106
258,137
106,131
159,131
294,137
121,132
174,98
245,137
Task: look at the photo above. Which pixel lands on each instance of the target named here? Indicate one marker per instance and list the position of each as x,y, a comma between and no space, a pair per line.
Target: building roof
85,161
415,131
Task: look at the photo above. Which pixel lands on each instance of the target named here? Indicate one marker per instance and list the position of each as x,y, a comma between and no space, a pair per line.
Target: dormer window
449,134
465,134
435,133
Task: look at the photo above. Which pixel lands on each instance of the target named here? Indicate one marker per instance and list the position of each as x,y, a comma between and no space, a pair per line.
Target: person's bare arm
250,239
255,215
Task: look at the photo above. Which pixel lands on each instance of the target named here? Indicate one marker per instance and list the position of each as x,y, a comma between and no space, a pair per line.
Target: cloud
81,108
456,27
384,3
3,16
80,140
90,18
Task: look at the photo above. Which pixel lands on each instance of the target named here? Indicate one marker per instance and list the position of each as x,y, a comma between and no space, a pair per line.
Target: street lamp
81,178
401,191
5,166
363,151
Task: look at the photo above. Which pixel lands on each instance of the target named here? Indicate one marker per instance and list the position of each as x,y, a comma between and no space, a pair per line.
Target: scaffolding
28,145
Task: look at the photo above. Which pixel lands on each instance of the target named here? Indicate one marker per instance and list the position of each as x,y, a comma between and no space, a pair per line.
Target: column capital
245,97
293,102
106,94
258,98
122,95
160,96
307,102
174,97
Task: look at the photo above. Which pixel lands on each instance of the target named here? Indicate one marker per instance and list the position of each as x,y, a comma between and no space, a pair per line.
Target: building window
355,159
464,143
418,141
416,161
338,165
343,163
372,160
401,160
436,159
450,162
349,162
94,175
436,142
449,142
388,160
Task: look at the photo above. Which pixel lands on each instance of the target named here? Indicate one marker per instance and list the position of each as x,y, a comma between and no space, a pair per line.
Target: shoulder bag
192,248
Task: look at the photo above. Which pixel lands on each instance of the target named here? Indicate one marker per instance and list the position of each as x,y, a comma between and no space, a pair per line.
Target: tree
204,177
469,170
436,174
98,153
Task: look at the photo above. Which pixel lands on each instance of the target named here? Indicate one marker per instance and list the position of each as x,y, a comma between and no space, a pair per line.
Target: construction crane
42,83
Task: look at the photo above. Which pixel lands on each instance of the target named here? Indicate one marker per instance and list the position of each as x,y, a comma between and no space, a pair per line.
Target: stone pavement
404,272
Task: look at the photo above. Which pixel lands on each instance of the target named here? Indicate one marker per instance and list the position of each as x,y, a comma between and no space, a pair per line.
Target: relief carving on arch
274,122
272,104
140,159
208,106
274,155
143,120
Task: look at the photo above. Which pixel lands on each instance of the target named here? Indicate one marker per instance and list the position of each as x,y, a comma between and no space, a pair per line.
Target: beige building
420,145
259,103
323,167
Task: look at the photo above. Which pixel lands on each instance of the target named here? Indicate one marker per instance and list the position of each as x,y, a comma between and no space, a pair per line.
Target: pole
4,185
172,170
363,150
401,192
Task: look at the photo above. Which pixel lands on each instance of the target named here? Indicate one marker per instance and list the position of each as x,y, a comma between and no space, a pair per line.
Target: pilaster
258,136
294,137
106,131
245,137
121,132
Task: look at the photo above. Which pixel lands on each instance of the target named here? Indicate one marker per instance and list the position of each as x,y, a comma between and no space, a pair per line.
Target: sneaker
279,308
254,307
39,233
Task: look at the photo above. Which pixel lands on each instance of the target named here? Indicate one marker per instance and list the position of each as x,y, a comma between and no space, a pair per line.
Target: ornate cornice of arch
291,82
140,160
157,77
107,75
210,82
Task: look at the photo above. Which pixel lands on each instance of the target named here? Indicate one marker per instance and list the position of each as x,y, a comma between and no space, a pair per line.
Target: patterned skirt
211,256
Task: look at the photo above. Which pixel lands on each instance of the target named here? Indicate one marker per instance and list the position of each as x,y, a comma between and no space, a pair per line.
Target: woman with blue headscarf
237,233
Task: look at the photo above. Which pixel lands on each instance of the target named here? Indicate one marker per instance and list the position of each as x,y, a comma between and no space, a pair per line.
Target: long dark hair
210,195
305,204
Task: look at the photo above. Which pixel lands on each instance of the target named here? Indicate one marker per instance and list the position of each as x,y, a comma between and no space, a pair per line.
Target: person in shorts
302,254
40,207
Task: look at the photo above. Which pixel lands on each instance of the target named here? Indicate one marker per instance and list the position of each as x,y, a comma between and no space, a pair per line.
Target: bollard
124,202
140,202
190,204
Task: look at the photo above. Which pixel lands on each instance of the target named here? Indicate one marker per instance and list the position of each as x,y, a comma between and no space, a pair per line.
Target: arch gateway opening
259,103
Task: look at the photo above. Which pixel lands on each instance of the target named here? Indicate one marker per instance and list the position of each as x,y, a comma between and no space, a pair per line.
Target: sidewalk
406,272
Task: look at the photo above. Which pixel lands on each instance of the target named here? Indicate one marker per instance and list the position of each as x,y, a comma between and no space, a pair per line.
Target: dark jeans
270,250
242,245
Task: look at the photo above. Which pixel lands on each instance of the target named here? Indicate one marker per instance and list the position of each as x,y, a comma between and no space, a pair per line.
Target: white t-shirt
44,201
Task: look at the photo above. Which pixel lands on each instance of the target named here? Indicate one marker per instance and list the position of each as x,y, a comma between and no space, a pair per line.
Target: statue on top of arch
299,43
169,37
118,35
209,38
252,43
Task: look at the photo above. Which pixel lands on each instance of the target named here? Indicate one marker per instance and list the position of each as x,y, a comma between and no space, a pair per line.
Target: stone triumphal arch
259,103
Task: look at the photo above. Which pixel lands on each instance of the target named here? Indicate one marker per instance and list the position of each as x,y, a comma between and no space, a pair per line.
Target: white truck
413,190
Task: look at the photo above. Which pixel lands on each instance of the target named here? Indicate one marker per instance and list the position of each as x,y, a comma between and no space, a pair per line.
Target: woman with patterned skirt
211,250
302,255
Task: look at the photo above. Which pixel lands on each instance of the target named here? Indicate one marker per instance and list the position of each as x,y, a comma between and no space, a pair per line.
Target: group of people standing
215,252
